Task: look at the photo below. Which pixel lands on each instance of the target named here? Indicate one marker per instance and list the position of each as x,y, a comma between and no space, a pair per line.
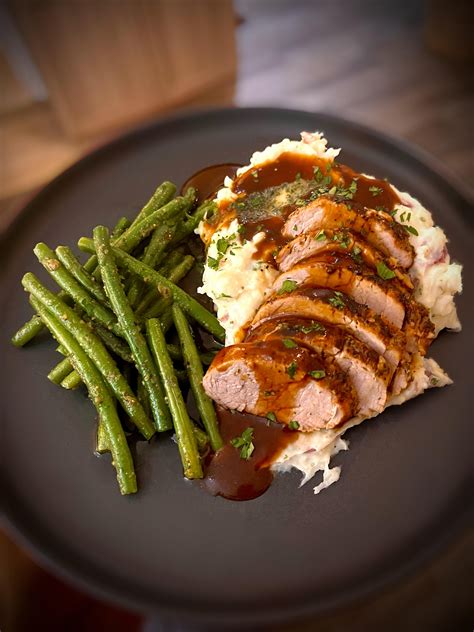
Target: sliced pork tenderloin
335,308
376,227
292,386
342,242
341,272
369,373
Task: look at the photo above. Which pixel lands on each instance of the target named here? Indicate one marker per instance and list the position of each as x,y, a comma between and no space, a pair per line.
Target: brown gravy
232,477
209,180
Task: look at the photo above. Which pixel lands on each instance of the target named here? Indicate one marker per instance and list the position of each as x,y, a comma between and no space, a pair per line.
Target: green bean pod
183,425
60,371
194,369
74,267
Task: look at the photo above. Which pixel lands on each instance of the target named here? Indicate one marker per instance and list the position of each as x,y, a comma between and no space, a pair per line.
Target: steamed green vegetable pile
111,319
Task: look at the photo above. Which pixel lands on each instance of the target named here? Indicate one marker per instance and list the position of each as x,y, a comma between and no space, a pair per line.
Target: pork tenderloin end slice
254,378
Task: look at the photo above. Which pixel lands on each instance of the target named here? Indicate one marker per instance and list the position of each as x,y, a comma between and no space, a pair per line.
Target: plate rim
88,582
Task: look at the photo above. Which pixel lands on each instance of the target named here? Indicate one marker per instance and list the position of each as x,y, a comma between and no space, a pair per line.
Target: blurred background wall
76,72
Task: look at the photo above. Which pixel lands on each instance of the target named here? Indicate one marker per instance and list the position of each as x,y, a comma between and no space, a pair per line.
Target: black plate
172,548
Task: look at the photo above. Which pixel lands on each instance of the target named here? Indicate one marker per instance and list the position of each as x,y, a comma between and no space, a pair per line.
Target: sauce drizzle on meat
268,194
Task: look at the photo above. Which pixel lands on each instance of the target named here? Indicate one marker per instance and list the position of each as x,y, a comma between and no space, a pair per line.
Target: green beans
33,327
138,231
131,330
183,425
101,398
176,275
68,283
192,222
101,445
151,296
27,332
163,194
155,251
152,257
195,374
60,371
71,381
114,344
94,349
188,304
73,266
127,286
202,439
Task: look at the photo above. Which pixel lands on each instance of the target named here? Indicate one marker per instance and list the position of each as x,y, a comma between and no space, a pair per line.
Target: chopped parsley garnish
245,443
326,186
381,209
318,375
293,425
375,190
271,416
384,271
355,254
321,236
287,286
308,329
353,187
289,343
291,369
222,246
268,393
337,300
213,263
343,238
405,216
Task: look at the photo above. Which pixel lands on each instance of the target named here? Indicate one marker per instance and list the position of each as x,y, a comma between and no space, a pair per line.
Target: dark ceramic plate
172,548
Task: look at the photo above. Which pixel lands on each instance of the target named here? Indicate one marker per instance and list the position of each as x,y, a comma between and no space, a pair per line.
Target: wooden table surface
367,61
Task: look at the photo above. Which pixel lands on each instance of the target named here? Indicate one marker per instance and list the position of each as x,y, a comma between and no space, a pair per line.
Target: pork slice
378,228
369,373
356,280
287,385
321,242
336,308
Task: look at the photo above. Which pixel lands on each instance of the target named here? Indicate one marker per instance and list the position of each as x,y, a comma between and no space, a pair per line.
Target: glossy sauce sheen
209,180
289,168
232,477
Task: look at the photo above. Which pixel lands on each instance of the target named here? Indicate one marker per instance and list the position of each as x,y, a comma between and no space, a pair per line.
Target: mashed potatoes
236,282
